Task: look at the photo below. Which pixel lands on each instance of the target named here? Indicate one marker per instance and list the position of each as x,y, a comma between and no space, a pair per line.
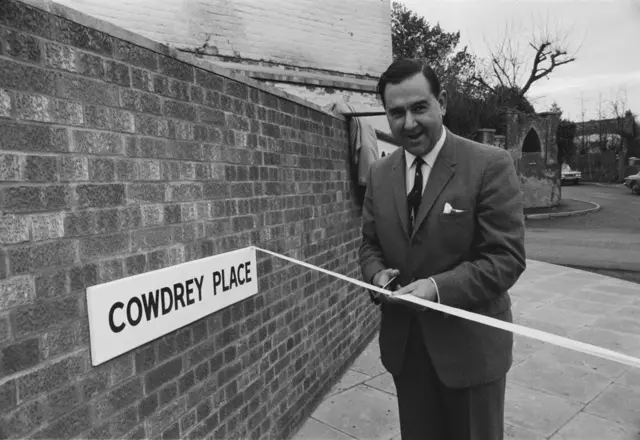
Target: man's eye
420,109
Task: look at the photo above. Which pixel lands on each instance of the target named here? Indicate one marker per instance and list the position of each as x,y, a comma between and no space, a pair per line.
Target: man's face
415,114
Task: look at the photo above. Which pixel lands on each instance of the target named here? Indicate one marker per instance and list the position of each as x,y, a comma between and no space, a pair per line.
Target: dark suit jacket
474,257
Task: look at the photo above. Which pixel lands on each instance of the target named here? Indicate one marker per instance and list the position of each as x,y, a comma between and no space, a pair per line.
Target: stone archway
532,163
531,143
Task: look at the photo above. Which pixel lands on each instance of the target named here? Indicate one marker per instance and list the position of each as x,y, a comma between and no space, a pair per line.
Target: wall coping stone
133,38
300,77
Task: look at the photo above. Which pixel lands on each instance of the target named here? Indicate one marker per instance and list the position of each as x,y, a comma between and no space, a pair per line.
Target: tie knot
418,162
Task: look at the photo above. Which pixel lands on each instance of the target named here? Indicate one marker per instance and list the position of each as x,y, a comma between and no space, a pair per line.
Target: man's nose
409,121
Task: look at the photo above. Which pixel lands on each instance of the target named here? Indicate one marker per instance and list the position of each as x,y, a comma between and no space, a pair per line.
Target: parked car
569,175
633,182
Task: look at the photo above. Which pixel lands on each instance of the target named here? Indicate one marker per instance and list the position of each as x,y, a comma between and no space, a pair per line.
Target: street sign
130,312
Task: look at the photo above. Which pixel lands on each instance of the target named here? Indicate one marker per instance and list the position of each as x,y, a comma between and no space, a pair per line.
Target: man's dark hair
405,68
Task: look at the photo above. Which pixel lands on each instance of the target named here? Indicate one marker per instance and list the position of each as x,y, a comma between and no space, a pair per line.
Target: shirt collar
431,156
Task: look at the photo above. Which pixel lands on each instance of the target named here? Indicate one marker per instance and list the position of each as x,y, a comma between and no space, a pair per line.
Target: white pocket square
448,209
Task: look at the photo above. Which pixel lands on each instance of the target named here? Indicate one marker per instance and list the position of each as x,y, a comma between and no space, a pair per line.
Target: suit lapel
399,184
443,170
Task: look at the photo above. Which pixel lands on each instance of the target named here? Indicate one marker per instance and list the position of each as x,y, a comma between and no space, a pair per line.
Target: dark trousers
431,411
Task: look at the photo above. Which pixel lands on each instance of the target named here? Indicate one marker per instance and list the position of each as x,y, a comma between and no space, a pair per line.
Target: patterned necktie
415,195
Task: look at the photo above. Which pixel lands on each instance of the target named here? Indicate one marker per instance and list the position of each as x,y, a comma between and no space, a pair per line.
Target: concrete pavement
552,393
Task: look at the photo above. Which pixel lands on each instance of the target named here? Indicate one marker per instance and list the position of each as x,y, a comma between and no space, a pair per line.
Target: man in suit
445,215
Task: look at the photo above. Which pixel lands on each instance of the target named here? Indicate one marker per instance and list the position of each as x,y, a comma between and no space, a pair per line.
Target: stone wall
351,37
119,156
539,172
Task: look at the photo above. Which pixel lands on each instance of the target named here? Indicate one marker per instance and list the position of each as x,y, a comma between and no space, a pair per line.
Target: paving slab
524,304
315,430
630,378
589,427
622,342
538,412
618,403
602,297
560,356
618,287
562,317
557,328
588,307
350,379
553,393
524,347
542,373
362,412
515,433
619,324
629,311
369,361
383,382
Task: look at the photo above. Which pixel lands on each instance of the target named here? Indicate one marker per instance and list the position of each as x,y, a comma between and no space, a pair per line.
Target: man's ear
442,100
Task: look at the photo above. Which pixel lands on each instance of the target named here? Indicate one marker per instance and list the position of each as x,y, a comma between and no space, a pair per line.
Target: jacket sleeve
499,254
370,254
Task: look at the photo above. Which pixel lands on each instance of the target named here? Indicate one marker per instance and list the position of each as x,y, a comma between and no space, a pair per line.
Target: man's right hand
384,276
380,279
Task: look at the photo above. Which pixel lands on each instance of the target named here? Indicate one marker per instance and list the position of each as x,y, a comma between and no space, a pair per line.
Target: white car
633,182
570,176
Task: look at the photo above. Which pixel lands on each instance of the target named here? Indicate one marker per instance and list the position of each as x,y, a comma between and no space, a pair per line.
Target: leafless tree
583,111
625,122
509,67
618,105
602,133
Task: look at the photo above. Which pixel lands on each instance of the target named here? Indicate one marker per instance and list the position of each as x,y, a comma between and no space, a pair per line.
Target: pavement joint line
550,215
332,427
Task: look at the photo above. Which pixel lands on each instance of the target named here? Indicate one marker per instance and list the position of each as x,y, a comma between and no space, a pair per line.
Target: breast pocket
457,228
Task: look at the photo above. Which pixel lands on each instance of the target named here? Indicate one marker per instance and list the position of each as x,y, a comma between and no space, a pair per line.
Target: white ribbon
560,341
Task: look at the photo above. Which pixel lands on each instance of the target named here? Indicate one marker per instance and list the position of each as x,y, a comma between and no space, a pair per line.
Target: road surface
607,241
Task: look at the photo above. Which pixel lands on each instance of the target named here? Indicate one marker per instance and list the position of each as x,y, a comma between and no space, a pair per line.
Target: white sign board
127,313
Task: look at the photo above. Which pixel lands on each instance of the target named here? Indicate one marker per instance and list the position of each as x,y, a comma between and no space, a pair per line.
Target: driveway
606,241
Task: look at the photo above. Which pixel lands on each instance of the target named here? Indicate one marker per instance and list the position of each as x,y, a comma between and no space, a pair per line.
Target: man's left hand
424,289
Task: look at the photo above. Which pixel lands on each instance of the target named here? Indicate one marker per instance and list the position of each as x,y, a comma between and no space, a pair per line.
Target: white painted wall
348,36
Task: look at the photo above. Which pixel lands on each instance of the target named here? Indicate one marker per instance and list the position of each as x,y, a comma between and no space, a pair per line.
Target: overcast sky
607,33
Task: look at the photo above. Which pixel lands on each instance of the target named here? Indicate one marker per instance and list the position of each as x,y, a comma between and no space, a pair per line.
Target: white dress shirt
427,166
429,160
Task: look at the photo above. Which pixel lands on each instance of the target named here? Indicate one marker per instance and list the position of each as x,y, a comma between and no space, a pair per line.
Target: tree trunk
622,160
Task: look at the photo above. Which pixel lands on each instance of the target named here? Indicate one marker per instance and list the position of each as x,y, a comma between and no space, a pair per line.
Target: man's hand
380,279
424,289
384,276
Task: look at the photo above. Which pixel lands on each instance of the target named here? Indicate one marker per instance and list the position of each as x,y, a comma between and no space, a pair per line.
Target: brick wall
118,159
350,37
